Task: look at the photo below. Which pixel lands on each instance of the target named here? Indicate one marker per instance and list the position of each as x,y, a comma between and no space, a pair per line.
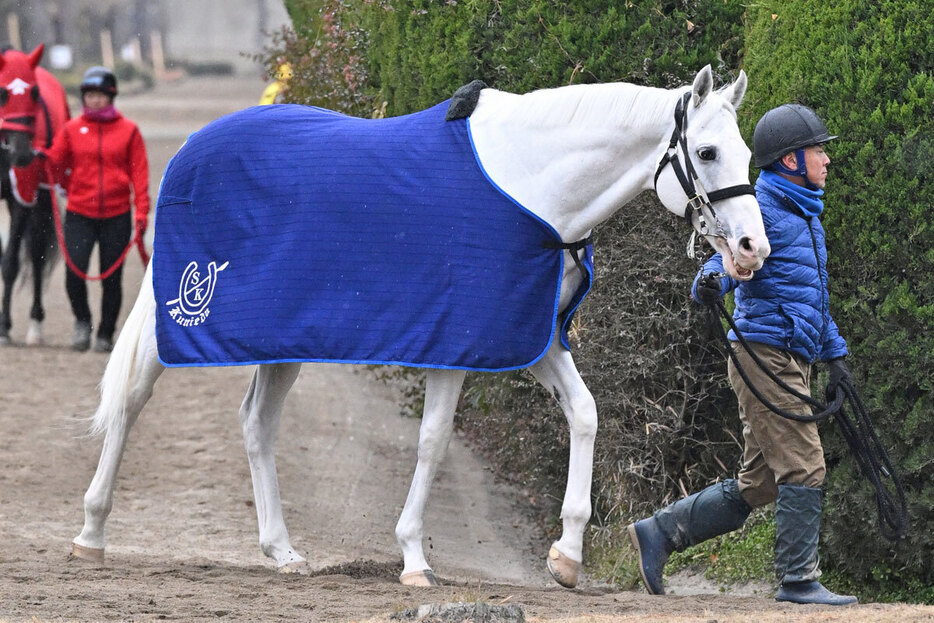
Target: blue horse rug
292,233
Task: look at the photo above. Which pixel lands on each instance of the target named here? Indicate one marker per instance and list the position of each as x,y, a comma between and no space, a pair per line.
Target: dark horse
33,107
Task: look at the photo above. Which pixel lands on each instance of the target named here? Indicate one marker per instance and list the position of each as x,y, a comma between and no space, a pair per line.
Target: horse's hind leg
132,371
441,393
558,374
259,417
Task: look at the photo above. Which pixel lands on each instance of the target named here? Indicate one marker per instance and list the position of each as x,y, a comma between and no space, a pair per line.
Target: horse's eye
707,153
34,92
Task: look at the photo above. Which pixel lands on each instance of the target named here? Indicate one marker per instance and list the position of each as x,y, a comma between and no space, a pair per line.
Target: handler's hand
708,290
838,372
141,225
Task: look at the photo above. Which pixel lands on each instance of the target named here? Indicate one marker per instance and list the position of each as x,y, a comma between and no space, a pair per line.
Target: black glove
708,290
838,372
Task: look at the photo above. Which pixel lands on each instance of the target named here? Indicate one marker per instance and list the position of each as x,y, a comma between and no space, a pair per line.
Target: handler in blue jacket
784,314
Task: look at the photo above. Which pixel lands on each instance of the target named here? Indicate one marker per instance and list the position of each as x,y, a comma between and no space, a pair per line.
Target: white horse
574,156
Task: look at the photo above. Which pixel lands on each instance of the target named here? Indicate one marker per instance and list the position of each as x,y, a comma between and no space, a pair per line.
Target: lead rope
60,234
860,434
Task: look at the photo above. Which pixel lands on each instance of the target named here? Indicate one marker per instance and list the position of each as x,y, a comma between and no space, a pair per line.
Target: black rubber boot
797,529
716,510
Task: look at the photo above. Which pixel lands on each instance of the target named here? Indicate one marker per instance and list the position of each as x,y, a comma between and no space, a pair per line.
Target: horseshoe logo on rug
194,294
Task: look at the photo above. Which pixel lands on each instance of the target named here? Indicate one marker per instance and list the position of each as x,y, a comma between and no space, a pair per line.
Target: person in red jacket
109,173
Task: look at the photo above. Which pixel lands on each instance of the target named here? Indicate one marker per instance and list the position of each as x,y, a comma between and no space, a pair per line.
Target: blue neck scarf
808,200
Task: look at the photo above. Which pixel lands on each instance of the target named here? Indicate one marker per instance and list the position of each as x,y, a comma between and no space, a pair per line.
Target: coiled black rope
860,434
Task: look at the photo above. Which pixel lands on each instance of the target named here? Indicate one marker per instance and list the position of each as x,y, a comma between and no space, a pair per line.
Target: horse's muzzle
751,252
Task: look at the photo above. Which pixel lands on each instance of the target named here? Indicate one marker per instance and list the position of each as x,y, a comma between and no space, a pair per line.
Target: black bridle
25,125
698,198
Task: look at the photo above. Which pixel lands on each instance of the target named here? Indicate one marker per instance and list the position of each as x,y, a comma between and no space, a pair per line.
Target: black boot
716,510
797,528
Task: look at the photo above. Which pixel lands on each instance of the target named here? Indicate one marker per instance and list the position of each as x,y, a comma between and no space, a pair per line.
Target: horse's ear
36,55
734,92
703,85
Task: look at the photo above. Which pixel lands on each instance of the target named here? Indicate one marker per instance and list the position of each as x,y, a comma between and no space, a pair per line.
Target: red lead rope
60,234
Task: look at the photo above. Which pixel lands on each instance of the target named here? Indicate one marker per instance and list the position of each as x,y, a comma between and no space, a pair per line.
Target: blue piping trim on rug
554,232
555,312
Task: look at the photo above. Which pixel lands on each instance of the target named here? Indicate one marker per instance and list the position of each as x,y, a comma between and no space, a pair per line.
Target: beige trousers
776,450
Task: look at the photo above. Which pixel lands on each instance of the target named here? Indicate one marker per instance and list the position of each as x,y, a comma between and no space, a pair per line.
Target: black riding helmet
99,79
785,129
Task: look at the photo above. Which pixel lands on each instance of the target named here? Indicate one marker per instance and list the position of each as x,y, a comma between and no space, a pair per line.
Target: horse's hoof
425,577
91,554
34,334
5,340
299,567
563,569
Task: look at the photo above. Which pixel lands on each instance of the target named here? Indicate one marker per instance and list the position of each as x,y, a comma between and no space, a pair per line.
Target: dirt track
182,536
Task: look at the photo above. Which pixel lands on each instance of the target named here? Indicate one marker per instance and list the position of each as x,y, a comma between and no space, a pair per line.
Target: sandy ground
182,539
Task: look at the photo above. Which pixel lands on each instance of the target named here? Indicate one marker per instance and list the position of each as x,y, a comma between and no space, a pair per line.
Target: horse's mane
617,104
627,105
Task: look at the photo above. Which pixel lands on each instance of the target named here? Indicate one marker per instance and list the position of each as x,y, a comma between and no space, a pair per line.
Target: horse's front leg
558,374
441,393
40,246
9,267
260,414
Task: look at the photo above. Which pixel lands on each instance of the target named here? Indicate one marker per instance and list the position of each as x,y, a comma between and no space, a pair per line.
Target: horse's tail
117,379
53,254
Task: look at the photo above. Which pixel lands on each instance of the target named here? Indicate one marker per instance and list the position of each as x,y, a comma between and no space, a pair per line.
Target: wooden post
107,49
12,24
137,51
158,56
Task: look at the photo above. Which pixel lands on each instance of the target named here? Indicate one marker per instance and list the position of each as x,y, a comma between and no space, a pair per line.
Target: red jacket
107,162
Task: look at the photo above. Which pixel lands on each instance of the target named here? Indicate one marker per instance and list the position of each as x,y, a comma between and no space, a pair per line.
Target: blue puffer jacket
786,304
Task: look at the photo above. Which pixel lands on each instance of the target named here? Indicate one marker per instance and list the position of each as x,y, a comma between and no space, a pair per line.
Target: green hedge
304,14
420,50
326,51
866,67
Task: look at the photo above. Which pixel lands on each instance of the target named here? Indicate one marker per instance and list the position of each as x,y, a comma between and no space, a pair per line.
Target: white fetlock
34,334
563,569
91,554
299,567
425,577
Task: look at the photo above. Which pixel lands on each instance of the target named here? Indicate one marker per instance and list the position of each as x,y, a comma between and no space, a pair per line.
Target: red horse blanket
51,114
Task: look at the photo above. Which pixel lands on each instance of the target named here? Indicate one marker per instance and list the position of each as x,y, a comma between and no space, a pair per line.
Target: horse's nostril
745,243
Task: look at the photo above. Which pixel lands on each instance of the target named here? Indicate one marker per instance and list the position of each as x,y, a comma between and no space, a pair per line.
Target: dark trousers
112,235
